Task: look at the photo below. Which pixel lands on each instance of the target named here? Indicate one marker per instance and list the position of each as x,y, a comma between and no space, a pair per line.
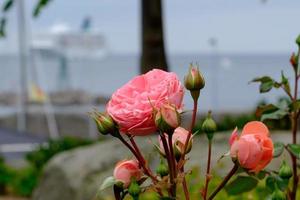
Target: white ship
62,41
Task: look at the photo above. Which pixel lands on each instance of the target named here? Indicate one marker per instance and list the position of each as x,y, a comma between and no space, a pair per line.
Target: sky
240,26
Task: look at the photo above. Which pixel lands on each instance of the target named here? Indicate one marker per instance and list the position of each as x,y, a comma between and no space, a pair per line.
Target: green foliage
274,181
273,112
294,149
267,83
40,6
278,149
241,184
25,180
7,5
6,176
39,157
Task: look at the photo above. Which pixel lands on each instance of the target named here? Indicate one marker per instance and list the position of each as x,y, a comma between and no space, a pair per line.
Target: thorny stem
195,109
223,183
295,116
171,171
173,164
207,170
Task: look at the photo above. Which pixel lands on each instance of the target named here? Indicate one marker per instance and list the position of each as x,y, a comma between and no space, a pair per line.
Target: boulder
77,174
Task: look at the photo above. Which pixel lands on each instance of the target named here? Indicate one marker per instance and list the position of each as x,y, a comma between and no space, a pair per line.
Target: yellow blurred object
36,94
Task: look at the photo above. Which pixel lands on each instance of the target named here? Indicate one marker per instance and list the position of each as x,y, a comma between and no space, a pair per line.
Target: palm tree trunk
153,50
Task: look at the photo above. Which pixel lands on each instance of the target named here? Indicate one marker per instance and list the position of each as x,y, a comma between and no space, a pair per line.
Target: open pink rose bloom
127,169
253,149
132,105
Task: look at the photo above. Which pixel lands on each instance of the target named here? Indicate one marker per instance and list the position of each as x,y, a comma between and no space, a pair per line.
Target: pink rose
178,140
132,105
127,169
254,148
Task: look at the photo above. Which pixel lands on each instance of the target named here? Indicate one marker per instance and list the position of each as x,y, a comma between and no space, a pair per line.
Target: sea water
227,76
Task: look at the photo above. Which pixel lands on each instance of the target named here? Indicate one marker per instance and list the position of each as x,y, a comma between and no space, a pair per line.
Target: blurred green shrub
22,181
44,153
6,176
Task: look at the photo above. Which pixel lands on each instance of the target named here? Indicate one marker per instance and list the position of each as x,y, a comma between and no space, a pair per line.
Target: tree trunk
153,50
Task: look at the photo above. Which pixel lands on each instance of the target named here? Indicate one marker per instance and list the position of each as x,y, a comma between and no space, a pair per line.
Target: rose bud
253,149
209,126
194,81
127,170
285,170
294,60
178,140
105,123
298,40
162,169
278,195
167,118
134,189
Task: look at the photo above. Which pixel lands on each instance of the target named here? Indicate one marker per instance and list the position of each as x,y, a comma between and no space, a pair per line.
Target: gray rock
77,174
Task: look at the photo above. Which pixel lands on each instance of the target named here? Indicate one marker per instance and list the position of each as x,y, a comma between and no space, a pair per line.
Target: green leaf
262,79
266,83
278,149
39,7
108,182
2,27
295,106
7,5
274,181
279,114
294,149
261,175
266,87
241,184
271,183
269,108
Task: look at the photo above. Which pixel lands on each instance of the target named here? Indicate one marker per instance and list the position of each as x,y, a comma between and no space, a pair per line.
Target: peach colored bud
254,148
126,170
178,139
167,118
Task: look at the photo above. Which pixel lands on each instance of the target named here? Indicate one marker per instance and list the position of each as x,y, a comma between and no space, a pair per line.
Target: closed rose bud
126,171
294,61
285,171
104,122
194,79
162,169
278,195
209,126
134,189
298,40
167,118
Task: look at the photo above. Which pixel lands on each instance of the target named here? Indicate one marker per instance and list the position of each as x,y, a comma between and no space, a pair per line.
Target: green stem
224,182
167,152
207,169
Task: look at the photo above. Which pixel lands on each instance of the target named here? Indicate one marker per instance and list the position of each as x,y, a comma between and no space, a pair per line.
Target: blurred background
61,58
